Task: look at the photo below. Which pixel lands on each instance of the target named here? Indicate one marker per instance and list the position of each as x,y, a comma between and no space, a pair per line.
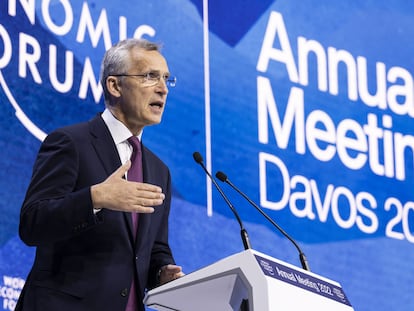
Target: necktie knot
135,143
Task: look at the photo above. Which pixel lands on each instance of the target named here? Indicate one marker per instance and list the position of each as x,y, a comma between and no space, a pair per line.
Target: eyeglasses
151,78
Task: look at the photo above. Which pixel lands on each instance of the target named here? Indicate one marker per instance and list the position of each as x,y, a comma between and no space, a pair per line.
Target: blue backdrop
306,106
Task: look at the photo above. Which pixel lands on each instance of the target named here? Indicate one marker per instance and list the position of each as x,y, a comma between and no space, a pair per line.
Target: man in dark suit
79,205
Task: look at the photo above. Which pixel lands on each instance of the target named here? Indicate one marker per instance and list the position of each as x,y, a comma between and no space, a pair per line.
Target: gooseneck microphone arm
245,237
304,262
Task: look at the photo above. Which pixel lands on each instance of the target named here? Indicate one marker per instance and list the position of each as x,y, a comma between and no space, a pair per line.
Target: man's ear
113,86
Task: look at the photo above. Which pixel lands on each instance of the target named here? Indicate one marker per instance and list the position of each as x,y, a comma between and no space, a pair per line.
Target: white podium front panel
267,284
217,293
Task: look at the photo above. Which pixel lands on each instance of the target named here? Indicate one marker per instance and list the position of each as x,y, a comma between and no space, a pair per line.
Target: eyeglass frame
170,81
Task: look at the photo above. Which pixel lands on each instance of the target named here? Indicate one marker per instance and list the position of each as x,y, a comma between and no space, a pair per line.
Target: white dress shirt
120,134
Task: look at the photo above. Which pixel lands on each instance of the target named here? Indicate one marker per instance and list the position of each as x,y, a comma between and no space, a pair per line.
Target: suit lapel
104,145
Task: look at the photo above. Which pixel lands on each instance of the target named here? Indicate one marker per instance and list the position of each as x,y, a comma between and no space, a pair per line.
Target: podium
249,281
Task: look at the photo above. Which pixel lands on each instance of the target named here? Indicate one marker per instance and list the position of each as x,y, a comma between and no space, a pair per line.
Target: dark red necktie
134,174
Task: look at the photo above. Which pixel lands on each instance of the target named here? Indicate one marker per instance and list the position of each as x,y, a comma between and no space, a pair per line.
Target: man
80,204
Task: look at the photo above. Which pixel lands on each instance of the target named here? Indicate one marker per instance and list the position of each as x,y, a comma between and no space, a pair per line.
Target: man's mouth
157,104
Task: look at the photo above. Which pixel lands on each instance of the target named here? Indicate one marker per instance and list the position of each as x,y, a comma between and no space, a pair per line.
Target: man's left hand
169,273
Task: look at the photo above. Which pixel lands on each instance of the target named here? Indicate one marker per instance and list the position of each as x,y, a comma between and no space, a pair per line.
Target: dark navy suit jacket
86,262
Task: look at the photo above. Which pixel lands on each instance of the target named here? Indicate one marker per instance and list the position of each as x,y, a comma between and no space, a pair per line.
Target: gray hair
115,60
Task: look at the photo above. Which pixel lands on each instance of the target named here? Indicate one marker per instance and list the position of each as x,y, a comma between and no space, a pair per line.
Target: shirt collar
119,131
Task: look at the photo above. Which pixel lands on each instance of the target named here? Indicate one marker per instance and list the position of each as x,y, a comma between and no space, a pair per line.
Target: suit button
124,292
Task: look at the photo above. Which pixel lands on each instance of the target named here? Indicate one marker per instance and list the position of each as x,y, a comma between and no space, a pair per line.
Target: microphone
223,177
245,237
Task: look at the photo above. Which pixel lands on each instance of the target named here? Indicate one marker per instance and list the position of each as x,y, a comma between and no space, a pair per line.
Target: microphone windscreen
221,176
198,157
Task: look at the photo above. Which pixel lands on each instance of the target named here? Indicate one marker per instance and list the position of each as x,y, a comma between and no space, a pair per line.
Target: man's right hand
118,194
